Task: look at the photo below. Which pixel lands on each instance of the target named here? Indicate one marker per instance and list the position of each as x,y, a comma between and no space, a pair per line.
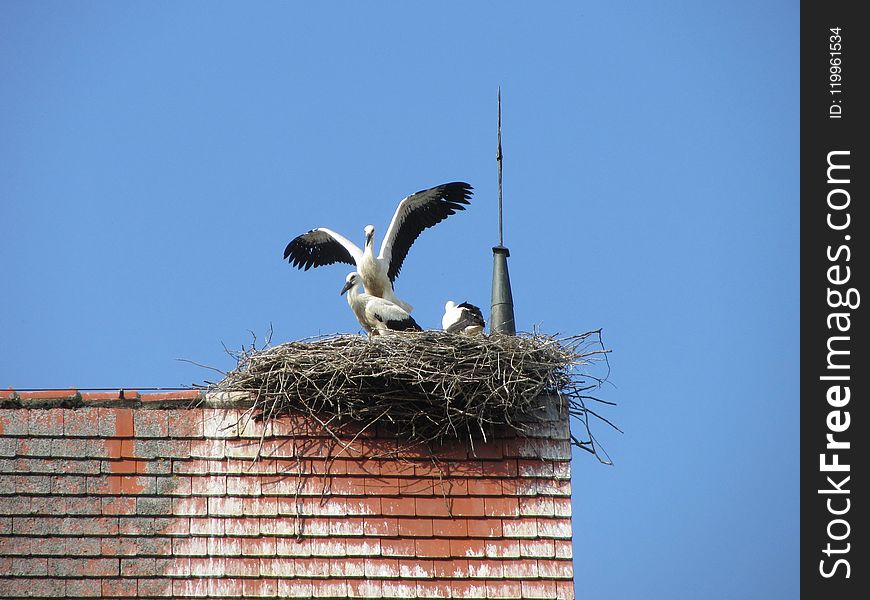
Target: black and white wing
418,212
473,313
390,316
463,316
320,247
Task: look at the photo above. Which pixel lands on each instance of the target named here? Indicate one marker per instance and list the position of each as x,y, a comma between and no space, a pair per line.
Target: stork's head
370,234
449,306
350,281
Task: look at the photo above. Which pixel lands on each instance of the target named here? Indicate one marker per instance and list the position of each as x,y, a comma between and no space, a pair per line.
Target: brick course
132,495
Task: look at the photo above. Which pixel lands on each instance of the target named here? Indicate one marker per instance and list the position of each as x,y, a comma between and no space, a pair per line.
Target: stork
462,318
322,246
378,316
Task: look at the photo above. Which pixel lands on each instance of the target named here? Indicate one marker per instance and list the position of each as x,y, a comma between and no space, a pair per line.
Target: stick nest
431,386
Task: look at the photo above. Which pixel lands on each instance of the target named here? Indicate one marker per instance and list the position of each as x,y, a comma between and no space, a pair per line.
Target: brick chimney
128,495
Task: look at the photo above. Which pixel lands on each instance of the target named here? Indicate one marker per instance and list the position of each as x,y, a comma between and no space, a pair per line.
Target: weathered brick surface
140,500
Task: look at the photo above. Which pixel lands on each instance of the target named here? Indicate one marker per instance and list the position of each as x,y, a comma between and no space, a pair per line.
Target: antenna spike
498,157
501,318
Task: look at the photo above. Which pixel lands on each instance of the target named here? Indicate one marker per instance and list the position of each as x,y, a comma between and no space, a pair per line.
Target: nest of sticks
432,386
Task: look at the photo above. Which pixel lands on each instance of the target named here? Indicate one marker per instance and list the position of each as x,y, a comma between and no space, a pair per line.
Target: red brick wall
146,497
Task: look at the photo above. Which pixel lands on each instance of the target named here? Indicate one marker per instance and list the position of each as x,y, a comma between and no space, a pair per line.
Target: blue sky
155,158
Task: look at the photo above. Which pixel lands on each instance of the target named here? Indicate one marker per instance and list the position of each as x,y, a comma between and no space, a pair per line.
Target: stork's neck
372,271
353,294
357,305
369,249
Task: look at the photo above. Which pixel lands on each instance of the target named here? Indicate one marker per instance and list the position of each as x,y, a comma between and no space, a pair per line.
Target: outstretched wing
320,247
418,212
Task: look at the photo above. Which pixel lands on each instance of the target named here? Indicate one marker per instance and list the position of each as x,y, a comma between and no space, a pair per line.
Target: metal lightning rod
498,157
502,304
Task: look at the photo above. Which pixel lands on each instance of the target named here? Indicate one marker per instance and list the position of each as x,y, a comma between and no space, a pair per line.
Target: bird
419,211
462,318
378,316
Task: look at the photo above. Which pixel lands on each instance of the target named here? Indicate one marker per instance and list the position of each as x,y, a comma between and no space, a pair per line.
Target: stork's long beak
346,287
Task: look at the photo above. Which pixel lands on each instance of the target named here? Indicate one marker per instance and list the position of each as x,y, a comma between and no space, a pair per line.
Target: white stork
462,318
377,315
415,213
